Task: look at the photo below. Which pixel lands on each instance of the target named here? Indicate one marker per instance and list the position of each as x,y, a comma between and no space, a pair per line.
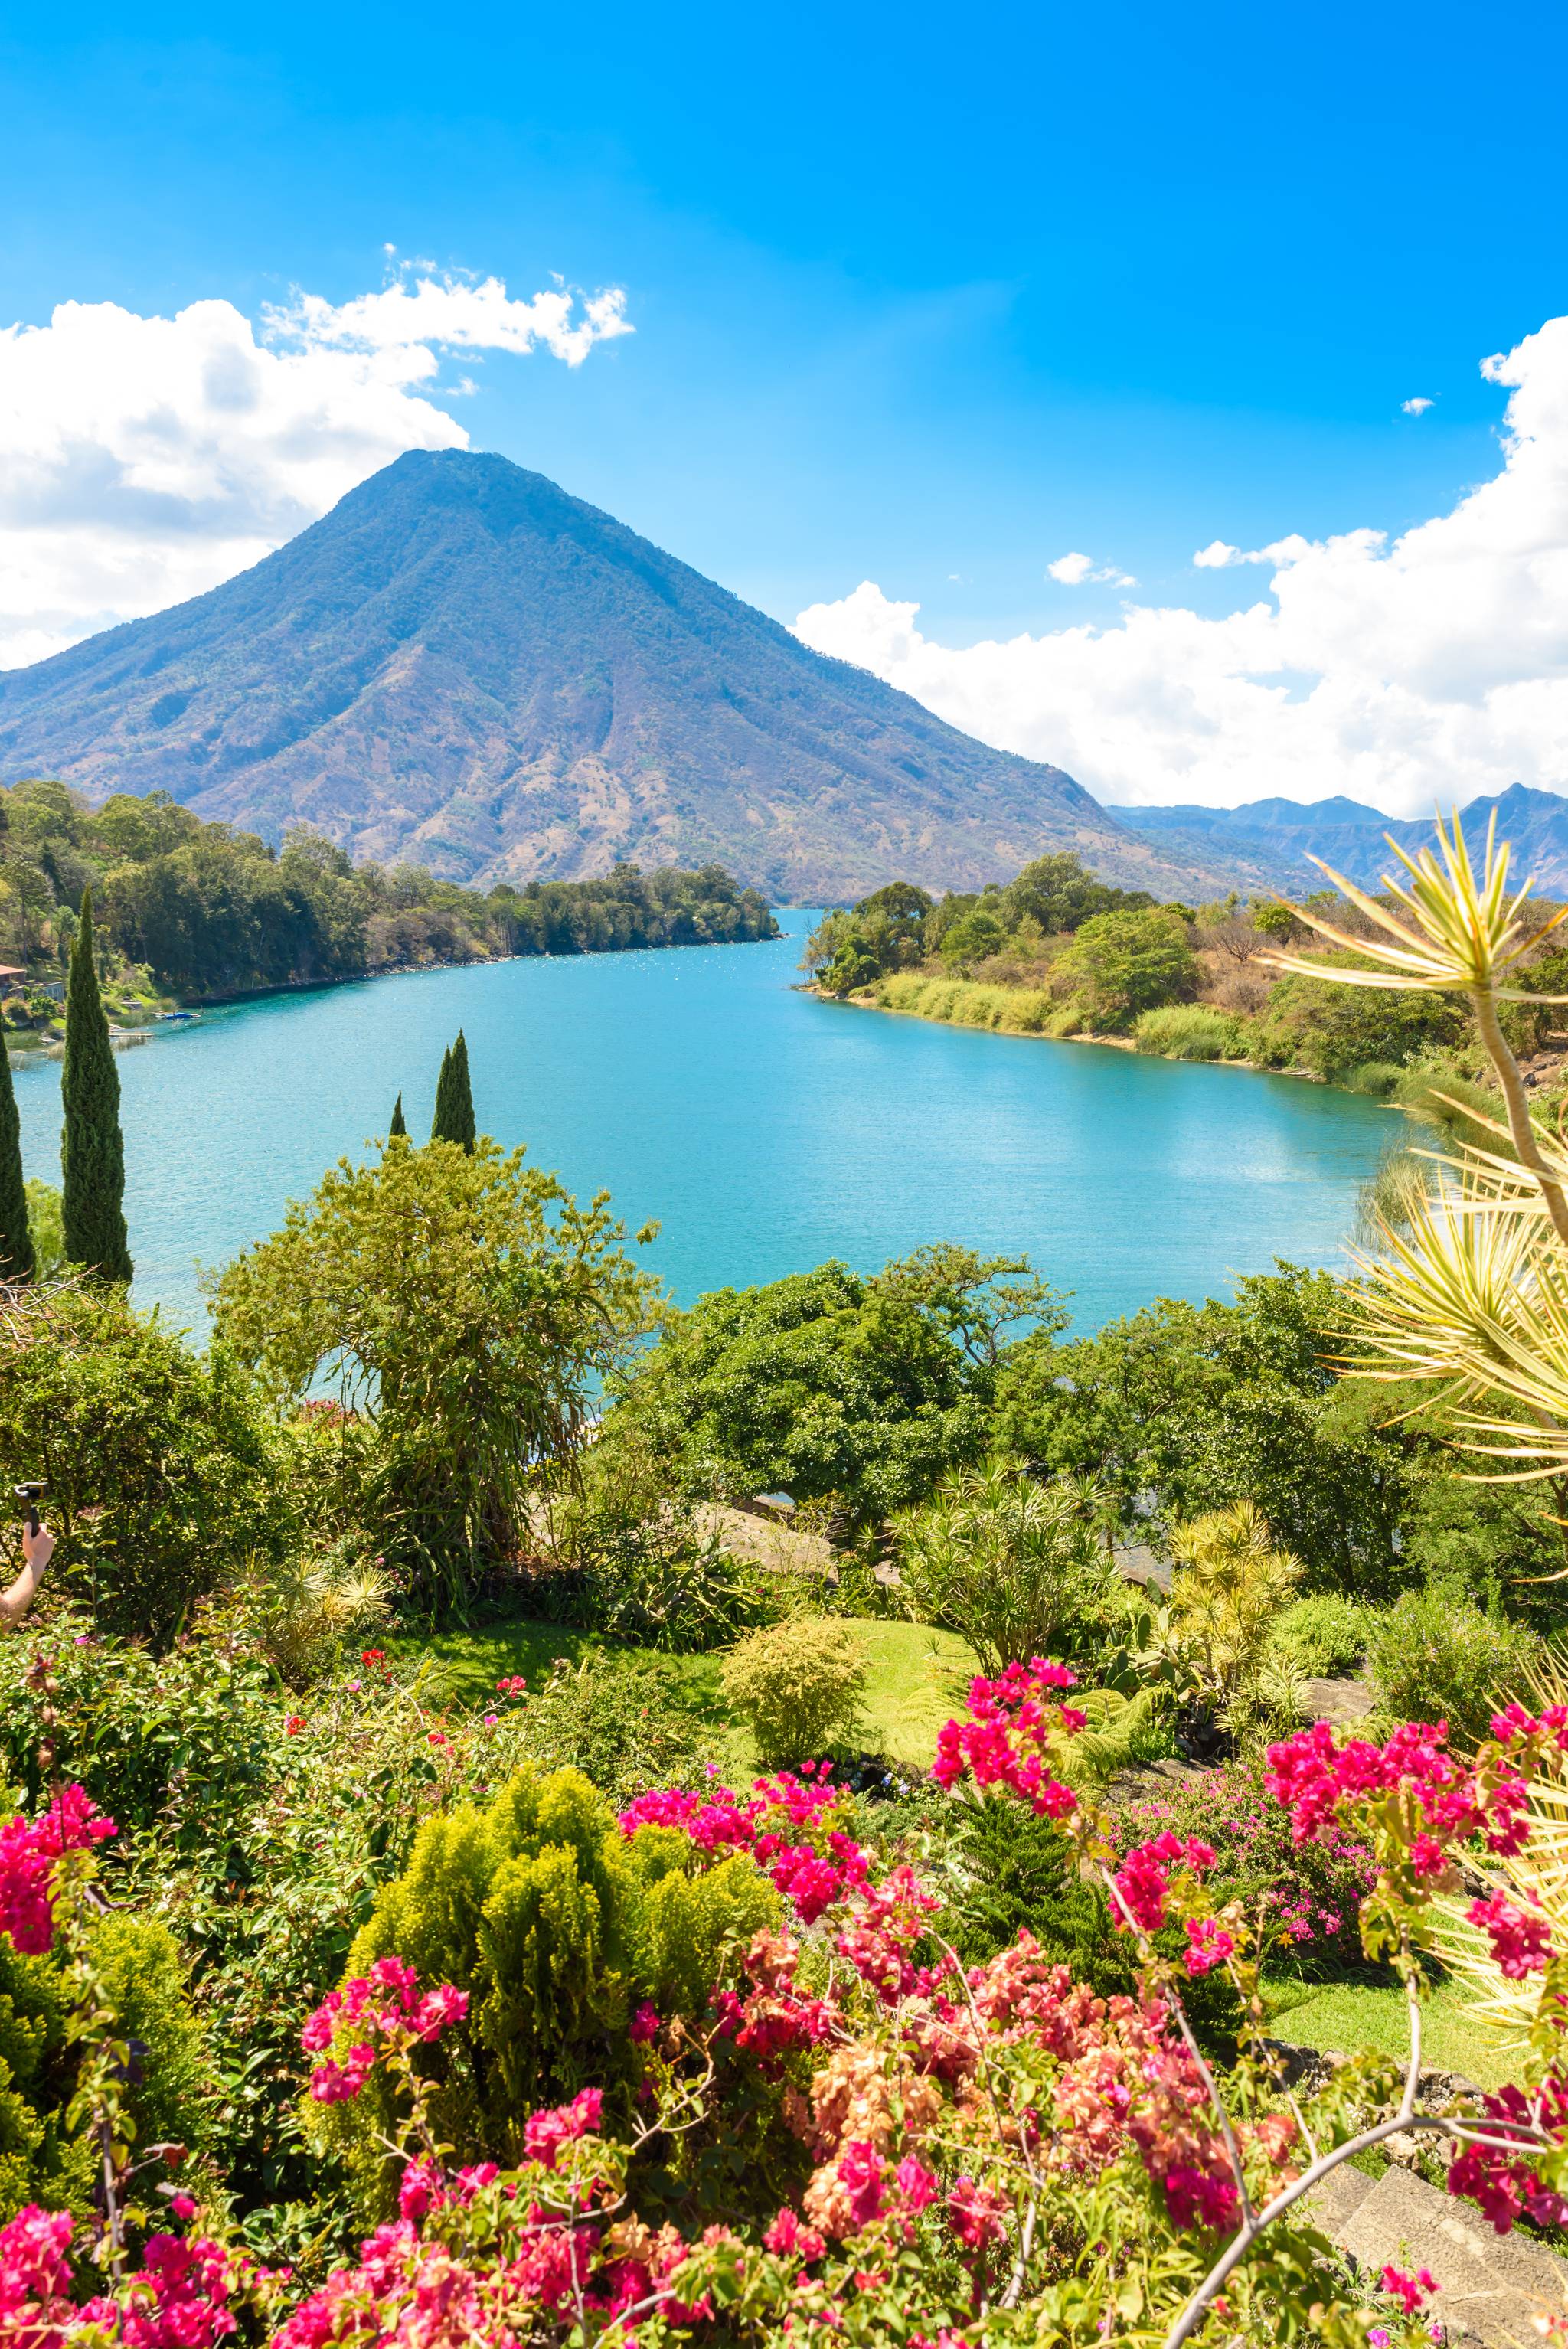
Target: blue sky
914,293
924,298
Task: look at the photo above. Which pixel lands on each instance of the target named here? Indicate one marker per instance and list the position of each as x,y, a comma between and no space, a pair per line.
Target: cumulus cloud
142,460
1414,407
1073,570
1430,668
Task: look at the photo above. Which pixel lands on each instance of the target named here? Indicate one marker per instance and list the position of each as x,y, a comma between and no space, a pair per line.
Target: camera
30,1496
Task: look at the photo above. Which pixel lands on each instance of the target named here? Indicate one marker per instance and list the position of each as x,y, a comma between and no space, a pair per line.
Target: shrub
201,1721
1015,1566
1323,1635
797,1685
1377,1077
1312,1891
163,1475
557,1927
1186,1032
1436,1657
829,1385
636,1564
139,1964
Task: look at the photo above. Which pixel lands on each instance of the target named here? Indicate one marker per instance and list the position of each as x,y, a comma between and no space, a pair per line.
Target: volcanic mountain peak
464,666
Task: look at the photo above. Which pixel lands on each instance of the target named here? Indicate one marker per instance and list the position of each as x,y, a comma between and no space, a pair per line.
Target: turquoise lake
763,1131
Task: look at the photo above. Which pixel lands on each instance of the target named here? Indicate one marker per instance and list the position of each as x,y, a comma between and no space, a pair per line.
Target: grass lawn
914,1677
1353,2015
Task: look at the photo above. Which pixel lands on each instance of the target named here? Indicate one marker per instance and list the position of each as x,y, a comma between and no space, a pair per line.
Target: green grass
915,1677
1355,2015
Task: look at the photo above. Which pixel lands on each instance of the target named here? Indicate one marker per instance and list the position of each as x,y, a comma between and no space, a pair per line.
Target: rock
1495,2289
1338,1701
764,1542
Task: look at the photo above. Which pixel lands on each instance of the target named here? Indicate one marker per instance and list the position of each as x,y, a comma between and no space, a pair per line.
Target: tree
467,1306
399,1124
17,1259
454,1118
92,1151
831,1386
164,1474
1124,963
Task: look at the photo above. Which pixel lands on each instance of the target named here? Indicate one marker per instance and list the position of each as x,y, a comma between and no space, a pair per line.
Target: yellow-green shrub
797,1685
557,1927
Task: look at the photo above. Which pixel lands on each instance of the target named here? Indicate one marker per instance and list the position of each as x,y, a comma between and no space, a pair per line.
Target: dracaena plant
1472,1288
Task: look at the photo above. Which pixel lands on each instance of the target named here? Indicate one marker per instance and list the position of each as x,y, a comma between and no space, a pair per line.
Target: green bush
1125,963
638,1567
1321,1636
176,1745
1015,1566
1186,1032
163,1473
831,1386
557,1926
1435,1657
1378,1078
797,1685
138,1962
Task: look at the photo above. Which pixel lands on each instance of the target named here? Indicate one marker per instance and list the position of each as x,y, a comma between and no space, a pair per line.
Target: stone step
1496,2289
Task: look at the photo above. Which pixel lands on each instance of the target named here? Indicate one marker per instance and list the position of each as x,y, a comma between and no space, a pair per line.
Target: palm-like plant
1472,1288
1017,1567
1230,1584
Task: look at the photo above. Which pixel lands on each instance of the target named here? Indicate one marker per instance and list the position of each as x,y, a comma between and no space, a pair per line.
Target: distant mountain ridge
463,665
1266,843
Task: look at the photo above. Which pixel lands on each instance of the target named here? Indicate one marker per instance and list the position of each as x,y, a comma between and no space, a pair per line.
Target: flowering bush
811,2112
1311,1892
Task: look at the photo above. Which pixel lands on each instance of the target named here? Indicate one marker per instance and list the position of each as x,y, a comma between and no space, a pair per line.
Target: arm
37,1549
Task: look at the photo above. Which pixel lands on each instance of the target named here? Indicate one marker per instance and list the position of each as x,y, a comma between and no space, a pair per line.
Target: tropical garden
538,1816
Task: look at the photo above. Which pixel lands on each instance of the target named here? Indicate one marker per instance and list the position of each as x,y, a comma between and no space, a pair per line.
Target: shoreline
192,1006
863,1001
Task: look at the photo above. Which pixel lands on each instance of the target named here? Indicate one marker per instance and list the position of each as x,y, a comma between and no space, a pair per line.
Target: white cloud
142,460
1429,668
1073,570
1414,407
1217,555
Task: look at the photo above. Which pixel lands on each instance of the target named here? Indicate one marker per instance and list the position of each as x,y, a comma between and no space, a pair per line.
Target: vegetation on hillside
201,911
1055,952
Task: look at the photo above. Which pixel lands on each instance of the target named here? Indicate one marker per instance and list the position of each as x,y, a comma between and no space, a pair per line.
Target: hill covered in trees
209,911
463,665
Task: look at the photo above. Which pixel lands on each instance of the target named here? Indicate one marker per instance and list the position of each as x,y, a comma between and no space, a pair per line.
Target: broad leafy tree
465,1304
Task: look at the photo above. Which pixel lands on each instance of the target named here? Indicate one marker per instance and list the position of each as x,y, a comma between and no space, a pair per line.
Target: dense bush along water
763,1129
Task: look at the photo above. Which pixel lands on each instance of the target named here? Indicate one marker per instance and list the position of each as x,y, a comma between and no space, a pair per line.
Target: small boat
176,1015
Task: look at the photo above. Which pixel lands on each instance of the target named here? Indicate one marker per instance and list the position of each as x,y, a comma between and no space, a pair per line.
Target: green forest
199,912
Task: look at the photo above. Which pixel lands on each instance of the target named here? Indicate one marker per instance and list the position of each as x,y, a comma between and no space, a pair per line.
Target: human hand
37,1546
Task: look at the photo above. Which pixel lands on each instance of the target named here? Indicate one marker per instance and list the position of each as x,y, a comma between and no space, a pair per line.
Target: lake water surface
763,1131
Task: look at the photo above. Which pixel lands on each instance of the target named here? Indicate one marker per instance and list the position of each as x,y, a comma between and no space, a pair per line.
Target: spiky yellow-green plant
1231,1583
1472,1288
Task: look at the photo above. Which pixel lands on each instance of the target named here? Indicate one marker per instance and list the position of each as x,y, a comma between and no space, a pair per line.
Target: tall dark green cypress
454,1118
17,1261
92,1152
400,1123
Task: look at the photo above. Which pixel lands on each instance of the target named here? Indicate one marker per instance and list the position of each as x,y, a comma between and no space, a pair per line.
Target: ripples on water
763,1131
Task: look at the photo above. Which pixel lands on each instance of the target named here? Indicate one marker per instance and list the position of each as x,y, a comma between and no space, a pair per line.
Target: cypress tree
454,1118
400,1123
92,1152
17,1261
